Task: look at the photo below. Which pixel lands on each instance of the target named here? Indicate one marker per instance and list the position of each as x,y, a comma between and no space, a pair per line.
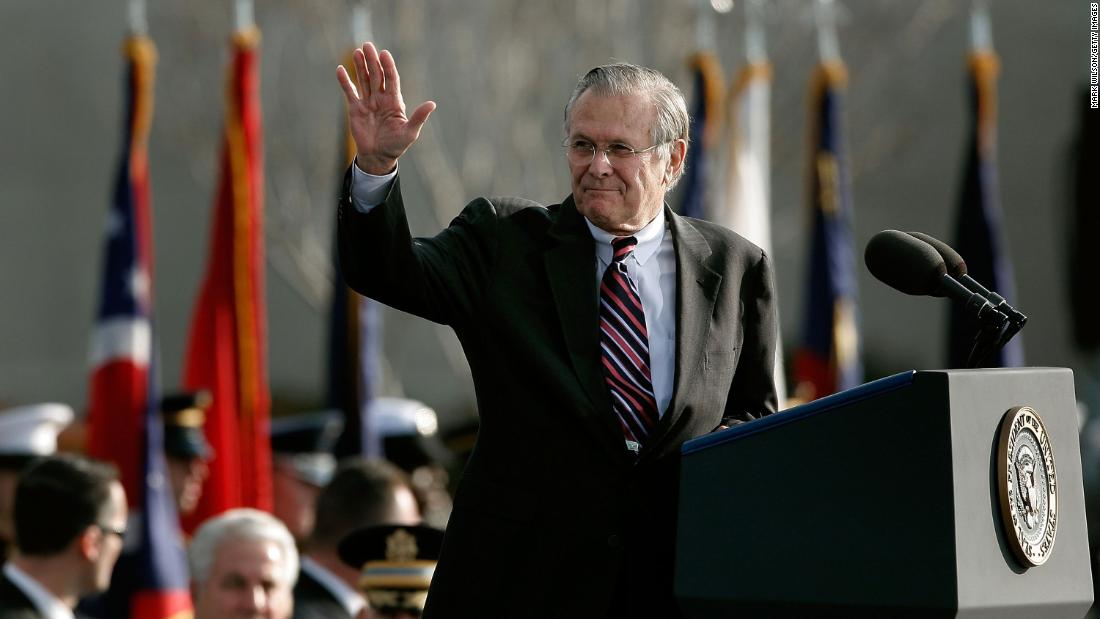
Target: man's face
187,476
113,521
295,502
620,196
245,582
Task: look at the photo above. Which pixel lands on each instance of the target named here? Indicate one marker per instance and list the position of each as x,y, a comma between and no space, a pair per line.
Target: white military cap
32,430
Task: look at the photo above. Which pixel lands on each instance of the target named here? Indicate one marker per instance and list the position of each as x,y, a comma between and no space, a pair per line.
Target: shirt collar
649,239
47,603
349,598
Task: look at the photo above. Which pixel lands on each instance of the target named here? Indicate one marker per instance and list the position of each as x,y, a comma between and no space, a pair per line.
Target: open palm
376,111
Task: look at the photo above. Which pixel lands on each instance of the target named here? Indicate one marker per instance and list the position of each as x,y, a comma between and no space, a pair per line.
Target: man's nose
255,599
600,164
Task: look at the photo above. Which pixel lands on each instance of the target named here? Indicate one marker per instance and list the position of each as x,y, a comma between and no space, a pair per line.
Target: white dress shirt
652,266
48,605
349,598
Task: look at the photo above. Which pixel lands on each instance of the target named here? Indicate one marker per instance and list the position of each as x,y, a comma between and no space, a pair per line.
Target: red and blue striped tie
624,342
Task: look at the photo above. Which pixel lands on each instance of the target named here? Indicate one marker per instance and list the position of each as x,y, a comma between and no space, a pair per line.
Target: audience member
303,463
408,431
185,446
243,564
70,519
362,493
26,433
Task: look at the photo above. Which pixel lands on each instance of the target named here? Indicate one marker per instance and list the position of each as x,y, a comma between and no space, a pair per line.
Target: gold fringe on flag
142,54
985,67
714,88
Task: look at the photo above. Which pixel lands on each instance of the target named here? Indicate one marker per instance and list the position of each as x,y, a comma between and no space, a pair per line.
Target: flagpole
360,23
138,23
243,15
981,27
828,49
755,48
704,25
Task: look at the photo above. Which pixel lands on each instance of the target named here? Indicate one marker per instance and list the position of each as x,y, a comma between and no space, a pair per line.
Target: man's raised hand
376,111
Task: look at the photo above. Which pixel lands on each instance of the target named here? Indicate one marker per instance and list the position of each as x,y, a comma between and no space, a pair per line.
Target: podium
890,500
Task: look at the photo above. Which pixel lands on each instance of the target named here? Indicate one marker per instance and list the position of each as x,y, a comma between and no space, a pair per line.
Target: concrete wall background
500,71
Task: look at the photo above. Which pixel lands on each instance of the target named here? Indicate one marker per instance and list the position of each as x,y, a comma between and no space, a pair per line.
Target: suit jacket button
613,541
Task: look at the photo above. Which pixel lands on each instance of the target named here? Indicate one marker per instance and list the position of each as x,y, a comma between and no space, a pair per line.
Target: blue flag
706,117
978,235
829,357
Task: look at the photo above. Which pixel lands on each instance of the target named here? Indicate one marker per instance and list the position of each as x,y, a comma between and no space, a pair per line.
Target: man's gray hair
627,79
241,524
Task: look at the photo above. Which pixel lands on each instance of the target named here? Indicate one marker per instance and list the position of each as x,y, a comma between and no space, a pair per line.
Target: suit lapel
697,289
570,266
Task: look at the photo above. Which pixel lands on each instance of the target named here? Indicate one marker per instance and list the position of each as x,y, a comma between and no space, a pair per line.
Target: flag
355,334
829,357
124,424
706,116
746,191
979,238
227,350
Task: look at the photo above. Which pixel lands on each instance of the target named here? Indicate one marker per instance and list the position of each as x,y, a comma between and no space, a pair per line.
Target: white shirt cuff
368,190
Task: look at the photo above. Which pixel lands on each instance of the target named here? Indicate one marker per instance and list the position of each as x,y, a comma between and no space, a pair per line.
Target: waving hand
376,111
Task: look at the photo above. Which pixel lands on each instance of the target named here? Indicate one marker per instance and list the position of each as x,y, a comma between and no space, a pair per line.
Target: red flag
227,352
150,580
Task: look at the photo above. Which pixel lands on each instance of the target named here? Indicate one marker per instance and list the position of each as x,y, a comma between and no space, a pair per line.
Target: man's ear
677,154
89,542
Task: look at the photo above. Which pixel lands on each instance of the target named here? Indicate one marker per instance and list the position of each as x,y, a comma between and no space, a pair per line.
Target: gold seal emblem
401,547
1027,485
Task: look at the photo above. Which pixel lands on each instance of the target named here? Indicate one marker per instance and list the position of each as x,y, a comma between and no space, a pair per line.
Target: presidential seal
1027,485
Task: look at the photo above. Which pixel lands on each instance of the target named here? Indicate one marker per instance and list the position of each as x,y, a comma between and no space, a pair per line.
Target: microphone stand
991,337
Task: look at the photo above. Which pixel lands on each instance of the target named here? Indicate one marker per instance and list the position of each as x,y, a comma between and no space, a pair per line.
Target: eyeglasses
582,152
121,533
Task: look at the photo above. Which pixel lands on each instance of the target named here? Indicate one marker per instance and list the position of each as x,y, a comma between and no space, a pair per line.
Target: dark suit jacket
313,601
14,604
553,516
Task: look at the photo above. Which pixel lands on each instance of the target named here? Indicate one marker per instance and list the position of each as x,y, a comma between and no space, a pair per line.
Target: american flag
124,425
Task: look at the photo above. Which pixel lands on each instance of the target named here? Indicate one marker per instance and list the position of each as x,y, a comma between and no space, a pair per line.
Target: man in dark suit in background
601,332
362,493
70,518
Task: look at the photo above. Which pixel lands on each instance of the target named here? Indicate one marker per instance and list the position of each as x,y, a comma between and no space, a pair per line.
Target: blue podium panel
880,501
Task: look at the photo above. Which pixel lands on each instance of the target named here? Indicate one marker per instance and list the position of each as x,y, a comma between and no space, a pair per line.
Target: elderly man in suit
243,565
601,332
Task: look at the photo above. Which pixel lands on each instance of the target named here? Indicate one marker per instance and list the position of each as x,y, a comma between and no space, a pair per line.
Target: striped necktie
624,345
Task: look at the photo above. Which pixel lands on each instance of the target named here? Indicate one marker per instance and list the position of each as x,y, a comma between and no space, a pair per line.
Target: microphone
956,266
914,267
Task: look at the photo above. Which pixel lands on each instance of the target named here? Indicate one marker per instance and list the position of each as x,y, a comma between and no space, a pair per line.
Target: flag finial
755,48
243,15
138,23
981,27
361,23
828,49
